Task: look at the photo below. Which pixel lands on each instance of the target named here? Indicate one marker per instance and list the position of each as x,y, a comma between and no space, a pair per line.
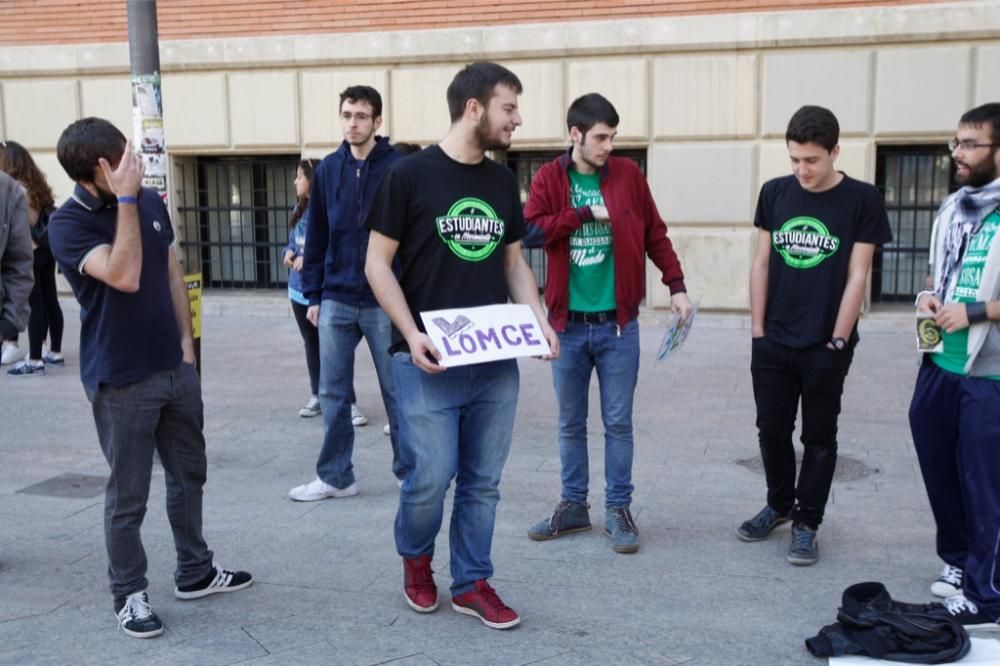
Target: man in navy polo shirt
114,243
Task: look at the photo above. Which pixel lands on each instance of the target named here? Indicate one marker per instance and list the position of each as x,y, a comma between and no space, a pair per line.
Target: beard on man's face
107,197
487,139
981,173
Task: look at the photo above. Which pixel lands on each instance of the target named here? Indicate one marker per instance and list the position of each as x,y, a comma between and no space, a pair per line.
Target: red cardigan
636,230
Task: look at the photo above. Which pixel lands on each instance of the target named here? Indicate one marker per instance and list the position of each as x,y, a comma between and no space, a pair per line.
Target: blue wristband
128,200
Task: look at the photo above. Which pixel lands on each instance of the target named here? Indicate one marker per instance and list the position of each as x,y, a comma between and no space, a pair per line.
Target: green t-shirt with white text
955,352
591,261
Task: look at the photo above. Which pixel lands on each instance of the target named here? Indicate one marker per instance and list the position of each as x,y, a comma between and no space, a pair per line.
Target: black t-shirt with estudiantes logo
812,236
453,222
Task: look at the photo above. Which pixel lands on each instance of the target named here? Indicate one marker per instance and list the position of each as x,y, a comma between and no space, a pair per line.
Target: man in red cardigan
599,223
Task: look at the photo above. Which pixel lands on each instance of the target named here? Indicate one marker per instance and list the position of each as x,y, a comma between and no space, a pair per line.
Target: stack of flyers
677,332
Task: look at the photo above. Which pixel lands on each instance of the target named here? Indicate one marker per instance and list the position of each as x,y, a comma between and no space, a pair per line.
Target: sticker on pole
486,333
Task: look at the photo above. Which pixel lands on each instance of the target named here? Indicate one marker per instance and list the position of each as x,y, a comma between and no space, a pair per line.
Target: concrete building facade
703,97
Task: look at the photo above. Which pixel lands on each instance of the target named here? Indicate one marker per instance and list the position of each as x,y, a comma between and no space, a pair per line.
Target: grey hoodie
16,257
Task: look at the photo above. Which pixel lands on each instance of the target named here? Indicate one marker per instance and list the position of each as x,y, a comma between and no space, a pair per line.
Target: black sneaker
967,613
761,525
803,550
567,518
135,616
218,580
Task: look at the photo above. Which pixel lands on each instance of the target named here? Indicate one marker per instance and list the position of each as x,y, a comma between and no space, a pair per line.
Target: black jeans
162,412
46,315
310,337
781,376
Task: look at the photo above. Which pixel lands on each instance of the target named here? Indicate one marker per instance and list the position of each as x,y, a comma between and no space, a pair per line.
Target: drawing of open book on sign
452,328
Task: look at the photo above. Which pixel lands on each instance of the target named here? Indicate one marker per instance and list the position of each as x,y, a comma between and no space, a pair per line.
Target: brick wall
79,21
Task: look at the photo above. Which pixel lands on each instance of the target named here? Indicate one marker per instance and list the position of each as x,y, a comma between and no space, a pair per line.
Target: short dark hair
362,94
814,124
477,81
406,148
84,142
590,109
987,113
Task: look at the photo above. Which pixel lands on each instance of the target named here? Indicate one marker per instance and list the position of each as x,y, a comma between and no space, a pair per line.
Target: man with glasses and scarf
955,412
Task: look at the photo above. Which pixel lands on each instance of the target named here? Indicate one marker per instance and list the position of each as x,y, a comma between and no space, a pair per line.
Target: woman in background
46,315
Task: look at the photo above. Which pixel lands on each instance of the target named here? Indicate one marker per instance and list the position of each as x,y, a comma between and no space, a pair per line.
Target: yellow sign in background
193,284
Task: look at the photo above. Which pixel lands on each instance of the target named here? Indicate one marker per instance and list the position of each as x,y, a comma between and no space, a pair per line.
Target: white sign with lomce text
486,333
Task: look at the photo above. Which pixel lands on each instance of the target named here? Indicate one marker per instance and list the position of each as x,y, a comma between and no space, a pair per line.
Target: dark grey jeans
163,412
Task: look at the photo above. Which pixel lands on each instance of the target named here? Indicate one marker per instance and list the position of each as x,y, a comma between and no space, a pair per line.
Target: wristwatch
840,344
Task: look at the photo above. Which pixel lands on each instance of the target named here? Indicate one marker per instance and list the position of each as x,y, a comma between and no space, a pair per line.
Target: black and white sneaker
218,580
949,583
968,614
135,616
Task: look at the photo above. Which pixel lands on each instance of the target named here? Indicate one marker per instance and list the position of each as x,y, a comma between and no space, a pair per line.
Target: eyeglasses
968,145
360,117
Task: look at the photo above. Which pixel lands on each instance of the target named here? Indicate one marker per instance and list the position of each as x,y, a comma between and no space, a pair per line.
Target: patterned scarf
972,206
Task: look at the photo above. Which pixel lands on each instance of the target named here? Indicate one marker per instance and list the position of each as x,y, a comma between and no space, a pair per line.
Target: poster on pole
147,128
487,333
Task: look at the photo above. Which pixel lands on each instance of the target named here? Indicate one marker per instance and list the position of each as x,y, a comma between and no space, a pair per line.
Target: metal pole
147,100
143,40
147,122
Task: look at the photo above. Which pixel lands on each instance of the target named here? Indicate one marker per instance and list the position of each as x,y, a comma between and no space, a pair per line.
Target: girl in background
46,315
299,223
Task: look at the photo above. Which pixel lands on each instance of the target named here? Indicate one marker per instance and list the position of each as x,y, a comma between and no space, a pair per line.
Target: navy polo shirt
124,337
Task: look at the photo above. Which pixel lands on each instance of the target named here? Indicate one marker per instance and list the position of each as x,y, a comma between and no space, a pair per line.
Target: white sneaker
949,583
319,489
312,408
357,418
387,430
12,354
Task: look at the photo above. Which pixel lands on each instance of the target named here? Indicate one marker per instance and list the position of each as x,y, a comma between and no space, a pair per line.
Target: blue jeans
341,327
456,424
162,412
582,347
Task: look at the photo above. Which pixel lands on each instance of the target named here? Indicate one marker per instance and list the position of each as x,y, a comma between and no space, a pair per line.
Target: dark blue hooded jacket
337,240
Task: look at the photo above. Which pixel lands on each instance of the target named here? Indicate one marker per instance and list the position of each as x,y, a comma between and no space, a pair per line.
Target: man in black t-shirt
115,245
453,218
818,229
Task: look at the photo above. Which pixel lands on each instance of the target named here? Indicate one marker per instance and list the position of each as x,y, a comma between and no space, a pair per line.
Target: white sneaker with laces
949,583
319,489
12,353
312,408
357,417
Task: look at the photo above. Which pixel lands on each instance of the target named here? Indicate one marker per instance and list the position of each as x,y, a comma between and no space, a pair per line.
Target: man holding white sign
600,223
453,218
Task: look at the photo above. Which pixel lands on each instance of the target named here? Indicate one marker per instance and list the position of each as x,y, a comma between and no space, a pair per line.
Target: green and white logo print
471,229
804,242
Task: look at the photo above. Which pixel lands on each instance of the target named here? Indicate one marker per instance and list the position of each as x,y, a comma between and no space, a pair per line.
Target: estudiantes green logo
471,229
804,242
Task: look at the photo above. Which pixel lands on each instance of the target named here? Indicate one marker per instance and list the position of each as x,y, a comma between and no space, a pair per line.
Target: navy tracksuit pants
955,421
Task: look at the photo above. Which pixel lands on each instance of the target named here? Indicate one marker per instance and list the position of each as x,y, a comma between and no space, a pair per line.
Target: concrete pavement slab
328,580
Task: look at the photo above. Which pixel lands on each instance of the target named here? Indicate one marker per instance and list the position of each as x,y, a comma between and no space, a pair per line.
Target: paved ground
328,581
